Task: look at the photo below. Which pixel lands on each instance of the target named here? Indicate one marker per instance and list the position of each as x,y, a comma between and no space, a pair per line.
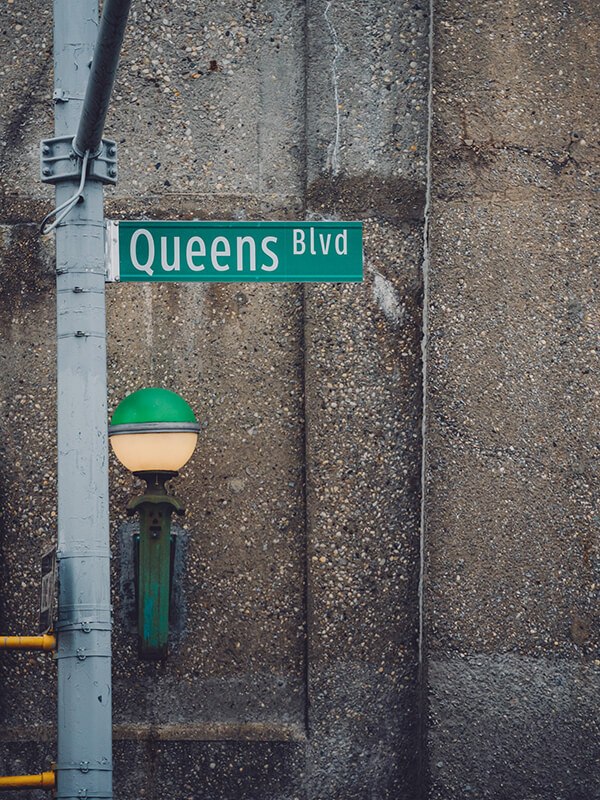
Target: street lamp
153,433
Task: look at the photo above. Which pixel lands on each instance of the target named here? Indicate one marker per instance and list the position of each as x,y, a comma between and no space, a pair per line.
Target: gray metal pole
84,763
102,76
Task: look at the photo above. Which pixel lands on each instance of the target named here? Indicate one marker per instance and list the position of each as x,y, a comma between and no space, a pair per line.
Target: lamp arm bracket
155,499
59,161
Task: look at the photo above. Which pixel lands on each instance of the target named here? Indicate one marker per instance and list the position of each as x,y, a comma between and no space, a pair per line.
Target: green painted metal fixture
155,508
153,433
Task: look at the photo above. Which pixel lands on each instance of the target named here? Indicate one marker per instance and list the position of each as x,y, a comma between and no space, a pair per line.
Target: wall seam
303,343
422,677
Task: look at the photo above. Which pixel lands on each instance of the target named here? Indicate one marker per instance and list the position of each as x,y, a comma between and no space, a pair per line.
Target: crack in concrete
425,335
333,151
423,768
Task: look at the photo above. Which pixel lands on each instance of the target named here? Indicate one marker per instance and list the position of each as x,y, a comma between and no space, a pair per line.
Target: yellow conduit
45,780
45,642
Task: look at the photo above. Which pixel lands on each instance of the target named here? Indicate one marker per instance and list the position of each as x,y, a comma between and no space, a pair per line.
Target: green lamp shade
153,430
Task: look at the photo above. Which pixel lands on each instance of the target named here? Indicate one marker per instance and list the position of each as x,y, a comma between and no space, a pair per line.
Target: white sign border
111,247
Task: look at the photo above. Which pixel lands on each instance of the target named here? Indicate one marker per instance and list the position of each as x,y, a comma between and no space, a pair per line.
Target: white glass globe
166,451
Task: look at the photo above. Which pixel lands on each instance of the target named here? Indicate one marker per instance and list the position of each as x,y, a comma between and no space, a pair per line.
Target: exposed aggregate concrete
296,675
512,568
298,657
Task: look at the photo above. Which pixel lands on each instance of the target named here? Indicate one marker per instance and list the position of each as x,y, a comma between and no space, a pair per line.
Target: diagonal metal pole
102,76
84,758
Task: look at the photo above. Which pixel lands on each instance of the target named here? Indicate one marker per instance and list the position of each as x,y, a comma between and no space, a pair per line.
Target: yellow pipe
45,780
45,642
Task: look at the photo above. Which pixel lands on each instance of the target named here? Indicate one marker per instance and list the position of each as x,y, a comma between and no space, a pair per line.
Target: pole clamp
85,766
59,162
80,653
62,96
86,625
88,552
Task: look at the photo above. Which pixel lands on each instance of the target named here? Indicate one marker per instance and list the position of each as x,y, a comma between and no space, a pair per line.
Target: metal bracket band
75,615
80,654
82,335
62,96
89,553
84,625
59,162
75,612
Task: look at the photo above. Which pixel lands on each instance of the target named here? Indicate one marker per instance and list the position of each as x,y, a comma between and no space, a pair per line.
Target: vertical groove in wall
422,677
303,289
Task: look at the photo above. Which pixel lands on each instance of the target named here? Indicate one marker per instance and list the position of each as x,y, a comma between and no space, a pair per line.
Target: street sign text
231,251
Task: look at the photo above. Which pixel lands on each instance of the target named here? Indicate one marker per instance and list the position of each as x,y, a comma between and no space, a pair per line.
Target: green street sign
231,251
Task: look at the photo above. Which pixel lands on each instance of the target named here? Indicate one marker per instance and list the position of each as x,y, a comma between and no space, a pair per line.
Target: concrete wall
294,673
295,662
512,611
